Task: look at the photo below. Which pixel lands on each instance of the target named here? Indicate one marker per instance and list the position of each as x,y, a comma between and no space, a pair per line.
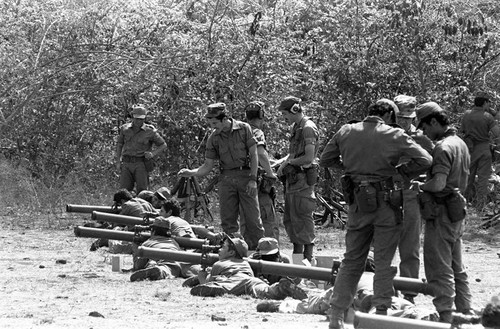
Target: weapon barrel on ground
199,230
87,232
373,321
84,209
266,267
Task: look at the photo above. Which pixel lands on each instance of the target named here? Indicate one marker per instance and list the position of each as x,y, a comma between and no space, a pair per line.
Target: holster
395,199
347,186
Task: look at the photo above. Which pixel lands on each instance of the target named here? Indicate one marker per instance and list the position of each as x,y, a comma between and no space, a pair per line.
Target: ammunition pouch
290,173
454,202
429,209
149,164
266,184
365,195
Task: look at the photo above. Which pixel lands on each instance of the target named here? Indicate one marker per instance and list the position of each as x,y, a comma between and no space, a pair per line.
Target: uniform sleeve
210,150
310,133
420,160
156,138
331,154
260,139
441,163
250,139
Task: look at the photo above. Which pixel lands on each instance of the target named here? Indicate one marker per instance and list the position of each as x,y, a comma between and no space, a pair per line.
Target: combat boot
445,316
286,288
269,306
381,310
336,319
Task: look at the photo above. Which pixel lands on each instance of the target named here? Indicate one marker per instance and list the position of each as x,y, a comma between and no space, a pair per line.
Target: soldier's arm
331,155
306,159
264,160
203,170
436,184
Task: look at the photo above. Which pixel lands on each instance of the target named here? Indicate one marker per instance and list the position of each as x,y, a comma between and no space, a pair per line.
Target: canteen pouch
456,206
428,206
312,174
149,164
366,197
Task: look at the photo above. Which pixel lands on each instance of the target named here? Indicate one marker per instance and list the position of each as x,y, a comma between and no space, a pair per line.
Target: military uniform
266,203
444,269
476,126
409,243
370,150
300,200
231,148
133,145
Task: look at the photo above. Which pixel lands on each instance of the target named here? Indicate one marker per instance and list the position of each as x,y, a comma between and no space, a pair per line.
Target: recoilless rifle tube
266,267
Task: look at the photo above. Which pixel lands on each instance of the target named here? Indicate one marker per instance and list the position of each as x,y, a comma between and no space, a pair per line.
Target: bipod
189,189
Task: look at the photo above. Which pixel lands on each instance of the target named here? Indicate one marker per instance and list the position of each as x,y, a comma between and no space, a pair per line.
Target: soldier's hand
272,175
252,188
118,166
148,155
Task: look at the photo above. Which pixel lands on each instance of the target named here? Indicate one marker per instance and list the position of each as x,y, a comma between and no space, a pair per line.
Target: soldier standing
254,113
369,152
134,155
409,244
301,172
233,144
477,124
444,212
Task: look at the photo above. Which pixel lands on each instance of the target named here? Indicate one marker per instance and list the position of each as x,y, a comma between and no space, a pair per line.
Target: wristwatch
254,178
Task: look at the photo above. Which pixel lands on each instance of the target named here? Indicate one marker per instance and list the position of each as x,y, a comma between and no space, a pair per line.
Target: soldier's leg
463,295
250,206
126,176
141,177
438,262
357,242
385,241
268,216
409,244
229,204
483,176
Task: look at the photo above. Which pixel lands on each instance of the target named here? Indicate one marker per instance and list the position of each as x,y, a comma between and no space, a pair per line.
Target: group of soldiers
403,164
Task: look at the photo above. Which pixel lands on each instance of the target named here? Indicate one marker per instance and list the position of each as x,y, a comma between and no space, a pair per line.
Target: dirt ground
50,279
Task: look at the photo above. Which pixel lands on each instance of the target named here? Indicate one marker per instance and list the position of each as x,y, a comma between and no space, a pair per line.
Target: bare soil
50,279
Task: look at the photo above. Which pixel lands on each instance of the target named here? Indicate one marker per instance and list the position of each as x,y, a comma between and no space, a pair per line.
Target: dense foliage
72,69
